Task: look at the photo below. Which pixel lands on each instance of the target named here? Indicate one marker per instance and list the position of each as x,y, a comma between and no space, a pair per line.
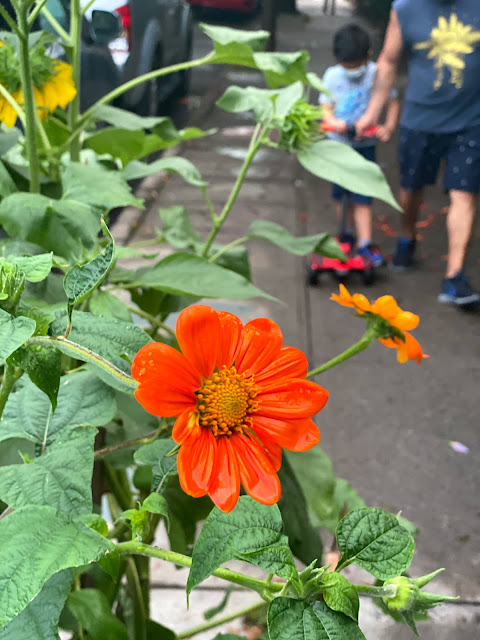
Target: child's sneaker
371,253
348,237
403,257
457,290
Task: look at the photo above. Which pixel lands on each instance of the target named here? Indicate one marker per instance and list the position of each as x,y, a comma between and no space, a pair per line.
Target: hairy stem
359,346
388,591
155,322
76,41
10,376
126,444
36,10
57,26
218,621
140,614
227,247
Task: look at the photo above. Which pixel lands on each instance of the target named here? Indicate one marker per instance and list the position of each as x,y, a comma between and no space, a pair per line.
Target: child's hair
351,43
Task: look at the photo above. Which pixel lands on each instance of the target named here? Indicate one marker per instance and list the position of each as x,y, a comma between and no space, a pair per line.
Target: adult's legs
410,202
459,226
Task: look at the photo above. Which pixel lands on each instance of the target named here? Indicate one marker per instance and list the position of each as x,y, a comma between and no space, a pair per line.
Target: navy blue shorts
338,192
420,155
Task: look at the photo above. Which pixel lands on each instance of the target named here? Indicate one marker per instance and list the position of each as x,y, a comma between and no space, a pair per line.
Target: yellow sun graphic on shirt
449,43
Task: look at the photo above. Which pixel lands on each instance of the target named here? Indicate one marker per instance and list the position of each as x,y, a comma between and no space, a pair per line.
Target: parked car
243,6
123,39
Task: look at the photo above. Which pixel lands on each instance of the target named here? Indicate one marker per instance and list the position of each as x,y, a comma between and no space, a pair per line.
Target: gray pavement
387,426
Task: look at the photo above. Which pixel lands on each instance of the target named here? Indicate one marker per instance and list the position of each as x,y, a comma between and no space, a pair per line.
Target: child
350,83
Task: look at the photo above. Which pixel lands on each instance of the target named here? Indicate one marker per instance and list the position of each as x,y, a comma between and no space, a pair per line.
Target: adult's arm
386,71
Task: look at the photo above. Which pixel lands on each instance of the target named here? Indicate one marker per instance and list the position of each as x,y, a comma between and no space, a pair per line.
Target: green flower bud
405,596
12,283
299,128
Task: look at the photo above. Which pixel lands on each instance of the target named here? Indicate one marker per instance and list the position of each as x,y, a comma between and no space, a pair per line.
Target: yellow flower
57,91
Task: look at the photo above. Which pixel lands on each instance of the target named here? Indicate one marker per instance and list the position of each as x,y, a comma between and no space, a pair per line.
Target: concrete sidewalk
387,426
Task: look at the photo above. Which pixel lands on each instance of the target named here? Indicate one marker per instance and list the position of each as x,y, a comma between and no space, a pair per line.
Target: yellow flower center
225,402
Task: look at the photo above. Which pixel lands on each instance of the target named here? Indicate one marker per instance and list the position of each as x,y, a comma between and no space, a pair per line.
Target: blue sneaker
371,253
403,258
457,290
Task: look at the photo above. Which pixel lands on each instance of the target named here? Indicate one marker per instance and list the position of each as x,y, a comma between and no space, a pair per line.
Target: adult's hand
363,123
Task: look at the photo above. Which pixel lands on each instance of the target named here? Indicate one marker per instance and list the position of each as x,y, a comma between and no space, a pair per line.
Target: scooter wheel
312,277
368,276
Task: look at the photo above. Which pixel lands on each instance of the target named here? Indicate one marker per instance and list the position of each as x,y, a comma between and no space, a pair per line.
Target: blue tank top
442,40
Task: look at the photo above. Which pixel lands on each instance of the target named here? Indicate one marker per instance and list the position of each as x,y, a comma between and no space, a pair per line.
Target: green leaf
39,620
282,68
36,268
301,620
235,259
188,274
340,595
93,611
183,167
235,46
177,229
303,538
251,532
43,366
229,636
122,144
7,184
154,455
155,503
217,609
13,333
104,303
96,186
124,119
60,478
265,103
375,540
317,83
345,499
321,243
38,542
83,400
81,280
186,514
341,164
157,631
62,226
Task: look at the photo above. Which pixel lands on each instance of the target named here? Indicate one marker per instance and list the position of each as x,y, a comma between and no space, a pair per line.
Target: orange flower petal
405,321
290,363
345,299
414,350
196,464
387,307
225,484
361,303
274,452
257,473
231,334
167,381
294,399
294,435
261,343
186,427
198,334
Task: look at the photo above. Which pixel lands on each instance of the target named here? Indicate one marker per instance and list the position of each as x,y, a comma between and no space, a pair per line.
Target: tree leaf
302,620
341,164
252,532
60,478
37,542
188,274
154,455
13,333
375,540
83,400
39,620
93,611
35,268
235,46
183,167
321,243
340,595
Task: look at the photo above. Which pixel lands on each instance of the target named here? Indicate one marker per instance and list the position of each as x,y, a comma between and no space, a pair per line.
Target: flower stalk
359,346
74,110
206,626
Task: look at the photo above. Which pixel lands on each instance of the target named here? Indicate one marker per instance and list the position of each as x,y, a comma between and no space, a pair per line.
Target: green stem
8,19
140,615
155,322
36,10
255,144
85,355
209,204
227,247
218,621
57,26
76,41
260,586
87,6
126,444
122,493
28,100
11,375
388,591
359,346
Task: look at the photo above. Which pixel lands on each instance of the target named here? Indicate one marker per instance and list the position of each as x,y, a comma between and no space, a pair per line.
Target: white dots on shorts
456,169
462,148
463,183
472,143
411,171
469,161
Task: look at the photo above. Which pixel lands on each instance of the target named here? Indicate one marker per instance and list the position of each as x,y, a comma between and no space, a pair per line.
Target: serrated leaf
13,333
251,531
35,268
320,243
176,164
38,542
339,163
188,274
340,595
93,611
154,455
302,620
39,620
375,540
43,366
83,400
60,478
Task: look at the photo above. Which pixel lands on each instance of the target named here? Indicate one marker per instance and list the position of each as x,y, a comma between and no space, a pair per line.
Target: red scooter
319,264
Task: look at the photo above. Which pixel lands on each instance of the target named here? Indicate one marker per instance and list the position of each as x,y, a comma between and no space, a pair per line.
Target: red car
245,6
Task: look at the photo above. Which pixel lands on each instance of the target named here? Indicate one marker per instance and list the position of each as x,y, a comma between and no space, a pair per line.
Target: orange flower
394,326
239,397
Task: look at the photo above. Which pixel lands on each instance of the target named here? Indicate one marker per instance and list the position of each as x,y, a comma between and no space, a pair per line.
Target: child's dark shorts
338,192
420,155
